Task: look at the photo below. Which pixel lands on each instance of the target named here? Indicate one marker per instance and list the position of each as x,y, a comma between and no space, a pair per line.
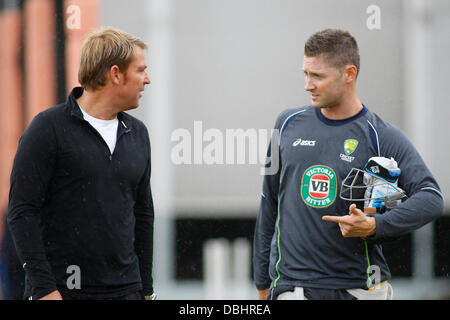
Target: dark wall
192,233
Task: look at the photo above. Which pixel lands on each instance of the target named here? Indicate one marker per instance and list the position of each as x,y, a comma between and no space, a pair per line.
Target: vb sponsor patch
319,186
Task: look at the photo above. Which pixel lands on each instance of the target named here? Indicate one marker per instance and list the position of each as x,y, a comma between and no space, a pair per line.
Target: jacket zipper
103,140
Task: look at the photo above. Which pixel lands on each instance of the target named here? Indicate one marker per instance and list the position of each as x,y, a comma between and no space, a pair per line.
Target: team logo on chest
318,186
350,146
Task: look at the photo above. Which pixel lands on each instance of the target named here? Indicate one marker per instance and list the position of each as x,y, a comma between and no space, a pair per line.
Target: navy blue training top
292,244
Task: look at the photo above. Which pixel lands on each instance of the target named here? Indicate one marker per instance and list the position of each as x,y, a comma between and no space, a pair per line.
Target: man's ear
115,75
350,73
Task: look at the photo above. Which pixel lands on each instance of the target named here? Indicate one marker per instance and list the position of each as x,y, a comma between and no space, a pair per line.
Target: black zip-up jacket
73,203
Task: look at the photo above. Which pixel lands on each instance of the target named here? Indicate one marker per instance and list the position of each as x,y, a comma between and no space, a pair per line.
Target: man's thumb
354,210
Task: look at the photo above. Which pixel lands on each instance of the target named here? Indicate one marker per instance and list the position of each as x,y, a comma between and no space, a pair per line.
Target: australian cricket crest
350,146
319,186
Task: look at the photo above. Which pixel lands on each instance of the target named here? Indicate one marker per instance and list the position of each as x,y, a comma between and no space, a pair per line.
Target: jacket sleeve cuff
379,222
148,291
263,286
41,292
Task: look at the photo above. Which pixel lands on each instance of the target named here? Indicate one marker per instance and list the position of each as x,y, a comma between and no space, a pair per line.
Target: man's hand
357,224
54,295
262,294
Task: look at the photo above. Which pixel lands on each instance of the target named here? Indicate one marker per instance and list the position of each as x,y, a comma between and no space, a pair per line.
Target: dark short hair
339,47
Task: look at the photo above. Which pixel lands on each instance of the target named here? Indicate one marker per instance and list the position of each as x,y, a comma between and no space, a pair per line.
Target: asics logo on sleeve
300,142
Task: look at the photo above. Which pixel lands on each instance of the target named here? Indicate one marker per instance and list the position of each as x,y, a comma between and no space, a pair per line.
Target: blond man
81,209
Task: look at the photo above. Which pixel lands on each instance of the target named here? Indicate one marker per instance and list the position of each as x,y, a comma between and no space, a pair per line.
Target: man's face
135,79
324,82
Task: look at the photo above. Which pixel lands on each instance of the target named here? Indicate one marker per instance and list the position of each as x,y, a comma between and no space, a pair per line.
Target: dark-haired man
309,243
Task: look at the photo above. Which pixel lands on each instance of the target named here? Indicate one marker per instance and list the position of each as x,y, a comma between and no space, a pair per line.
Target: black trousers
131,296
